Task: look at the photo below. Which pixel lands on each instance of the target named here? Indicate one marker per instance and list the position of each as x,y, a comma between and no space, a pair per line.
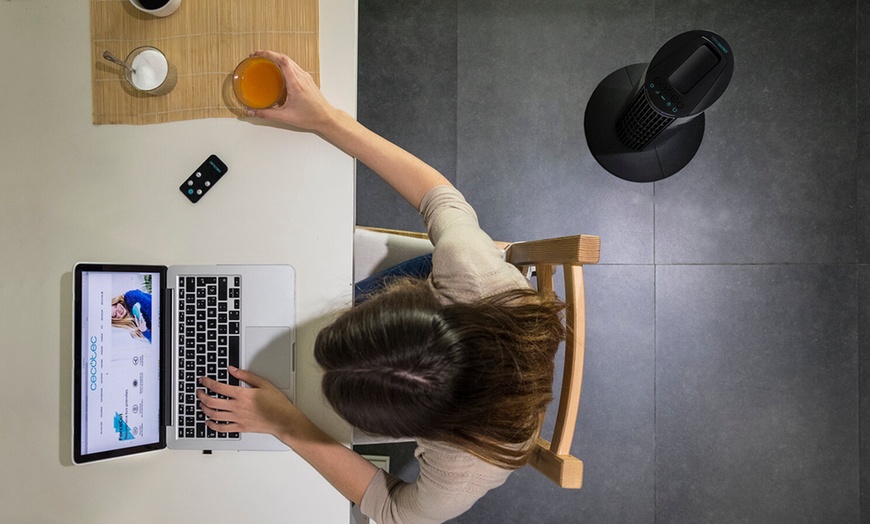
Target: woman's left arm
262,408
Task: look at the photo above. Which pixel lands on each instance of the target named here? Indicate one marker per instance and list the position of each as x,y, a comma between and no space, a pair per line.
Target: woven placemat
204,40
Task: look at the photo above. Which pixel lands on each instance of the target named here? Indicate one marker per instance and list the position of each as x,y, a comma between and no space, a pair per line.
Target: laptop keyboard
208,342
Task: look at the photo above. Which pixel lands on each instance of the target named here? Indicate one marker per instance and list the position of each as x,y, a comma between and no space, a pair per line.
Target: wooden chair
552,458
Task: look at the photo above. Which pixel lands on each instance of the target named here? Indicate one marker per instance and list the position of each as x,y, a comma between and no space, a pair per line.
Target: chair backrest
553,458
376,249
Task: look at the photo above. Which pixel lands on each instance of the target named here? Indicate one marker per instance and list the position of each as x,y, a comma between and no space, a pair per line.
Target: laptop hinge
168,344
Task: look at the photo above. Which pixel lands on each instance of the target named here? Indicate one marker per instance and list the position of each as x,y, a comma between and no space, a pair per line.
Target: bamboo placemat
204,40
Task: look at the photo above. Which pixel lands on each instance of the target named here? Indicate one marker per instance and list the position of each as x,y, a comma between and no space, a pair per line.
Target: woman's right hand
261,408
305,106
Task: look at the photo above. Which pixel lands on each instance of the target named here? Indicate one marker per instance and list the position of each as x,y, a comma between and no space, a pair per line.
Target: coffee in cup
156,7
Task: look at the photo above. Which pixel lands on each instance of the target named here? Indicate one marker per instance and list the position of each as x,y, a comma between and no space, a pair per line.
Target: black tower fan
645,122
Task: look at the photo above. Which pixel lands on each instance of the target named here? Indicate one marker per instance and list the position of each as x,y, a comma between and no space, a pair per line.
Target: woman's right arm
307,108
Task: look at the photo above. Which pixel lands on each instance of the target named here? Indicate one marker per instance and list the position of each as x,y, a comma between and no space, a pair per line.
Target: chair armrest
564,470
573,250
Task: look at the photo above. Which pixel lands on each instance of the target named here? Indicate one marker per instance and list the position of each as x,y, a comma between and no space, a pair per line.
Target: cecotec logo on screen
92,365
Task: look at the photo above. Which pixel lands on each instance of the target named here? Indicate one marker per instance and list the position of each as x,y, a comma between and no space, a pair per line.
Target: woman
132,311
461,361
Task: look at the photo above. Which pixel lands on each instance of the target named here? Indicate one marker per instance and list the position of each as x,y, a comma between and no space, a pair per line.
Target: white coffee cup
156,7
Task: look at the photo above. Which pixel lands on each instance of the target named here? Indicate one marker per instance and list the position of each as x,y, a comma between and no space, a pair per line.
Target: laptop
143,335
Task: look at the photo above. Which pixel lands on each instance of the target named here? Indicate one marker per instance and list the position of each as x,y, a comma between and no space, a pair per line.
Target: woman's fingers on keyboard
219,388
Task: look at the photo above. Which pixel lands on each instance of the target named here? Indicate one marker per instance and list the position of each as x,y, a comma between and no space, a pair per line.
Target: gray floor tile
791,59
756,394
774,181
864,388
759,192
526,71
407,93
863,117
863,186
615,432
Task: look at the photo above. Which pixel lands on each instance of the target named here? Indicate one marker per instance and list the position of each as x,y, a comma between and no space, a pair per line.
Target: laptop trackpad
270,353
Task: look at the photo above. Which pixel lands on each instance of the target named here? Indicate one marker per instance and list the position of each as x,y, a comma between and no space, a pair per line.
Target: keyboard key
233,357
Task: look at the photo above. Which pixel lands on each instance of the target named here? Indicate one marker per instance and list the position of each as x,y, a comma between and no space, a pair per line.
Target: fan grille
640,123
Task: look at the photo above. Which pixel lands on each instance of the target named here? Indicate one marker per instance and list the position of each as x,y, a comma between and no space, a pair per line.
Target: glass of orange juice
258,83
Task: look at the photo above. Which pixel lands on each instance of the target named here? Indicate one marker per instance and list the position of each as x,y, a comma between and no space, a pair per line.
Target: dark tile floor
727,319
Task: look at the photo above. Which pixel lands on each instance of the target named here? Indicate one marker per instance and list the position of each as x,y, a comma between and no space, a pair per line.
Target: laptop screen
118,341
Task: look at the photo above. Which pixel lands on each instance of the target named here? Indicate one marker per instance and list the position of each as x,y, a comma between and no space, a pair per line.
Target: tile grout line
736,264
655,364
655,342
862,510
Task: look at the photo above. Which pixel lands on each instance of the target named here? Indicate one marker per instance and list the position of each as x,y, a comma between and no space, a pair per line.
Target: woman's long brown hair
476,375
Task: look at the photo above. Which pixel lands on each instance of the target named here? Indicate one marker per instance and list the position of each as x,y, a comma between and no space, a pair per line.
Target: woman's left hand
262,408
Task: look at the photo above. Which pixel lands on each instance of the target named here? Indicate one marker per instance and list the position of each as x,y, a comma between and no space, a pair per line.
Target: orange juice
258,82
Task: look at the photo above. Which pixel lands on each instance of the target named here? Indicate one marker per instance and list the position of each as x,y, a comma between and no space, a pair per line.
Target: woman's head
119,308
476,375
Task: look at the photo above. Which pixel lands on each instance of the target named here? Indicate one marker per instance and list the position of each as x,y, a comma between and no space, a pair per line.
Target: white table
71,191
